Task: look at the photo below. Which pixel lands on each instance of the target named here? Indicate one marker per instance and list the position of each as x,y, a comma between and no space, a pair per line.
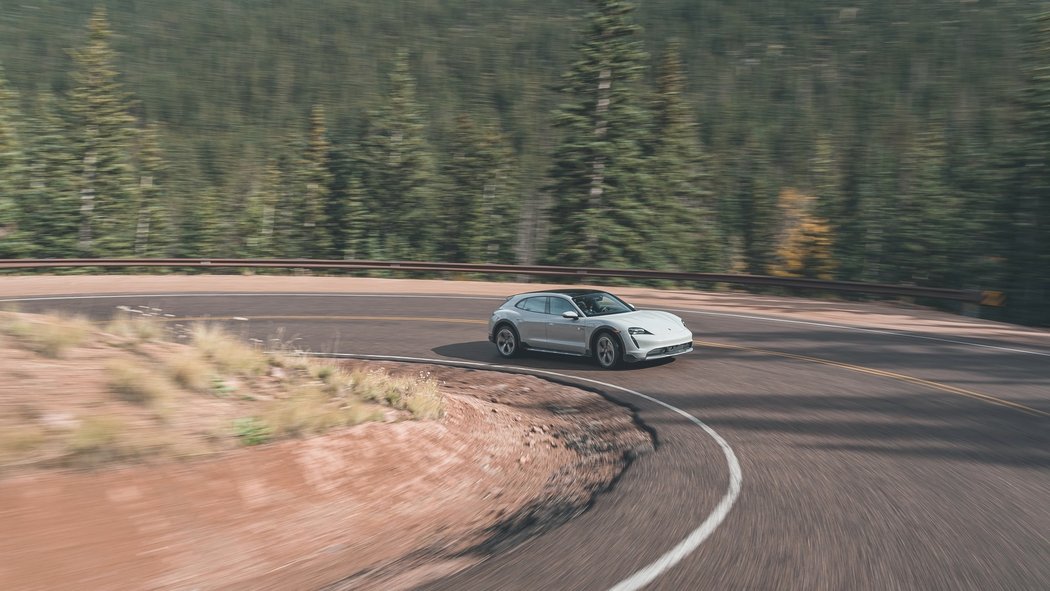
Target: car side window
558,306
538,305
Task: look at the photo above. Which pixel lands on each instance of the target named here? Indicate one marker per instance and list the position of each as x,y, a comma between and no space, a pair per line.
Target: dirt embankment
381,505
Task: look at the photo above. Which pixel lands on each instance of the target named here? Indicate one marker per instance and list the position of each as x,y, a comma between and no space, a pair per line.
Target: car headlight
637,330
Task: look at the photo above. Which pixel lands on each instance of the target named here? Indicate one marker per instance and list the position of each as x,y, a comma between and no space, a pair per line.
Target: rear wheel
607,351
506,341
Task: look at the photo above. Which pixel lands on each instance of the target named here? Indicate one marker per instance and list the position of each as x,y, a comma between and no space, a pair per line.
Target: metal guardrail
987,298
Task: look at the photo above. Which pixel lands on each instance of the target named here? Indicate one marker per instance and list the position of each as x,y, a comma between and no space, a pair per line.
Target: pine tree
1029,210
749,208
601,214
286,227
100,117
398,173
359,224
924,237
206,228
51,210
256,224
682,194
13,237
312,237
480,202
154,231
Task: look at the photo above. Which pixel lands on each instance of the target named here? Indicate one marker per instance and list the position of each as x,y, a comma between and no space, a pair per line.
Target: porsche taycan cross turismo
586,323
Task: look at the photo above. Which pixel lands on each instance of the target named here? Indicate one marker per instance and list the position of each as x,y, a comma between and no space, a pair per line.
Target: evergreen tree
359,224
480,201
1028,211
312,236
101,120
154,231
749,208
926,210
13,239
682,195
51,207
257,222
601,214
398,173
206,228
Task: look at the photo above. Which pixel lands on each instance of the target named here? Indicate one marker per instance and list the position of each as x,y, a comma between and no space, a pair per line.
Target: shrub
426,404
307,410
227,352
135,327
48,335
189,370
418,395
134,383
97,439
251,431
18,440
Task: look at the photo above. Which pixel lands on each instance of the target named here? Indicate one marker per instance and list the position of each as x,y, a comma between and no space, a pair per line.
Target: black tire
507,343
608,351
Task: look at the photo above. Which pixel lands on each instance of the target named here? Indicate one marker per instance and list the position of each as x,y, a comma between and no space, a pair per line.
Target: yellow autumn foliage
804,243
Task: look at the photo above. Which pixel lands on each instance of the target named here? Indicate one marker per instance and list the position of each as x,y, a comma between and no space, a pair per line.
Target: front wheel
506,341
607,351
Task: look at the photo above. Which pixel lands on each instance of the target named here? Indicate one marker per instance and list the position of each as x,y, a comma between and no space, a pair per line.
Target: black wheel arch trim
605,328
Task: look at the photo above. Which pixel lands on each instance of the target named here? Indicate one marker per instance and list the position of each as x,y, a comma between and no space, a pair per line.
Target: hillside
876,122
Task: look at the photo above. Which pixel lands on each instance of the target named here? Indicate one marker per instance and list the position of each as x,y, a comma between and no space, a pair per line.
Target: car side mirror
570,315
631,306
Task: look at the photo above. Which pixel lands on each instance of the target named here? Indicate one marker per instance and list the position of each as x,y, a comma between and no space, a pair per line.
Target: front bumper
647,347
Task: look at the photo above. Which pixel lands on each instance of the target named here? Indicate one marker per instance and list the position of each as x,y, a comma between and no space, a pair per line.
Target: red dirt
376,506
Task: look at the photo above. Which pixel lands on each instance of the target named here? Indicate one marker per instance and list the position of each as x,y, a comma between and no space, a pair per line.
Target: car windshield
600,303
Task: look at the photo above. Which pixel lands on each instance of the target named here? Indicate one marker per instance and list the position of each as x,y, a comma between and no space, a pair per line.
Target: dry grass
419,395
214,380
135,328
17,441
426,403
134,383
190,370
309,410
227,352
50,336
96,440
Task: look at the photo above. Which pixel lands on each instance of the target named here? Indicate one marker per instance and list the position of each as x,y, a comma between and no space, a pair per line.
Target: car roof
568,292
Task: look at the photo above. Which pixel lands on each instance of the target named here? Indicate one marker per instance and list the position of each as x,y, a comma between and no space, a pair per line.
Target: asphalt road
869,461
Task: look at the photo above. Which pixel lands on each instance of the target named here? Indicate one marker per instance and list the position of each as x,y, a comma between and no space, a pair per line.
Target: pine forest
889,141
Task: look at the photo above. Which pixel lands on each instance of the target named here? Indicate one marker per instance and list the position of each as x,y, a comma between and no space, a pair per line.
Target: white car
586,323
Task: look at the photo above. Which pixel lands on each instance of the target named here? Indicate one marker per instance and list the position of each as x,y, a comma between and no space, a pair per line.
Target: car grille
670,350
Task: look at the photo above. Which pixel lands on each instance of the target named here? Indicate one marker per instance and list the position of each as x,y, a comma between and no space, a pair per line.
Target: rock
60,421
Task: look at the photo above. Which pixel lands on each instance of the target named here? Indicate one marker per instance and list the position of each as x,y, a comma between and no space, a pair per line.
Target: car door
565,334
532,328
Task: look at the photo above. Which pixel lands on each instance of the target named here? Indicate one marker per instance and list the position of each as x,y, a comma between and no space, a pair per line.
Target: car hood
654,321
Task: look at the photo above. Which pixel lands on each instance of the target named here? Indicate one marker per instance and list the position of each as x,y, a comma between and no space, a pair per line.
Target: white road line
650,572
877,331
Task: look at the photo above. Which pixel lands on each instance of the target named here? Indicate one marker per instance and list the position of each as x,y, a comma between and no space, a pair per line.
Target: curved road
870,460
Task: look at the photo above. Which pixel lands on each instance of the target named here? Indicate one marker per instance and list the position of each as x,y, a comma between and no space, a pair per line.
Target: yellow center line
886,374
